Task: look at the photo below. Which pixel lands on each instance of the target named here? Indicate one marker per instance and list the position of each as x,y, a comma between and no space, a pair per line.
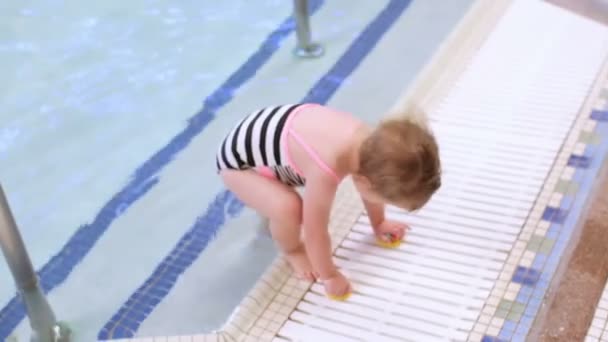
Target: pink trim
311,152
266,172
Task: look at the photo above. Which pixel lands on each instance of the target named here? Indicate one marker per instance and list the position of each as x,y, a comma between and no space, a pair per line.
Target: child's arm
381,225
375,211
318,198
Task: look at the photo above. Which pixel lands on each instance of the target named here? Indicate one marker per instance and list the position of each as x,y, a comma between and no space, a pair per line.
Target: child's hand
391,231
337,287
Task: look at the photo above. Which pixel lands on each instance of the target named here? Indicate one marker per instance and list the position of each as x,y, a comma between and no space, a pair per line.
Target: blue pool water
110,115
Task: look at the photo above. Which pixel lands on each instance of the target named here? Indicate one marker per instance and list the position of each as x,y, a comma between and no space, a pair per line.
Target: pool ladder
45,327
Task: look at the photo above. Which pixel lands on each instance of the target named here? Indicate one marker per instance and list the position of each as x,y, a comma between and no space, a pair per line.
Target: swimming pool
110,117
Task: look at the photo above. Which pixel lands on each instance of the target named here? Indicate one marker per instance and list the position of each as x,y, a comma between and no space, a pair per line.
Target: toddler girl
275,149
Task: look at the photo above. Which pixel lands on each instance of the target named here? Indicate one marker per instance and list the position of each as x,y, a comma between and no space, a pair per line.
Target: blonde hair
400,158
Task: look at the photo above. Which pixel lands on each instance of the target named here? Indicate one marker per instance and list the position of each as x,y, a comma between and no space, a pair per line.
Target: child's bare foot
298,259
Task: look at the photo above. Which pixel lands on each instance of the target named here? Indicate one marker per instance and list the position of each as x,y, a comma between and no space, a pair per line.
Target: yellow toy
339,298
390,241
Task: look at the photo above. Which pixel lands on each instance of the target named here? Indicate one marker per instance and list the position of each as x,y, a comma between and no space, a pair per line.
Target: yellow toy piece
339,298
385,244
390,242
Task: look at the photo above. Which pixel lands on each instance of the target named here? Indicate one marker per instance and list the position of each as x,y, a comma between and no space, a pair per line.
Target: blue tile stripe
579,161
599,115
58,268
507,331
570,212
60,265
126,321
526,276
555,215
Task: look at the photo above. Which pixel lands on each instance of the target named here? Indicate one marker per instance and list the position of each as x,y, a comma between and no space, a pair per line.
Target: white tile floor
598,331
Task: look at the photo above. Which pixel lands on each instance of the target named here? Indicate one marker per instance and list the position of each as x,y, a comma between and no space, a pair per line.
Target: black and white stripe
288,176
256,141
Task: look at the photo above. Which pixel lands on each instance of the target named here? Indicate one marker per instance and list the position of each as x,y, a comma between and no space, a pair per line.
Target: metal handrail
42,319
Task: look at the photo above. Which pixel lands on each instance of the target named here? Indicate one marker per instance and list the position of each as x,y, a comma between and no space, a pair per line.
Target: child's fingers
397,233
346,290
389,237
401,229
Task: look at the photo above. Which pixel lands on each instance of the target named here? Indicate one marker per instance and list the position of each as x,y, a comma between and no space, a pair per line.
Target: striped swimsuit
259,141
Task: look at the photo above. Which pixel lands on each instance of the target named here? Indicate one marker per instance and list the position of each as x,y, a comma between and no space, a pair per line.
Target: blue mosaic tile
120,331
522,329
491,339
505,335
599,115
527,290
555,215
561,243
11,316
536,301
537,294
581,162
507,331
578,177
552,263
526,321
526,276
156,293
567,201
519,337
138,316
539,261
509,325
130,323
524,295
545,278
552,234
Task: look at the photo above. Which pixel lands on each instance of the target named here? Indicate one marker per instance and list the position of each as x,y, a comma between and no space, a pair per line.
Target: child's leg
282,205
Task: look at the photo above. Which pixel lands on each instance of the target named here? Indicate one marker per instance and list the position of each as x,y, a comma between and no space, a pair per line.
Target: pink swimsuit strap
311,152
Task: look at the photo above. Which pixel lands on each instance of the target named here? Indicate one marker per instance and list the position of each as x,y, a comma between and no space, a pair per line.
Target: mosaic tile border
519,292
598,331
